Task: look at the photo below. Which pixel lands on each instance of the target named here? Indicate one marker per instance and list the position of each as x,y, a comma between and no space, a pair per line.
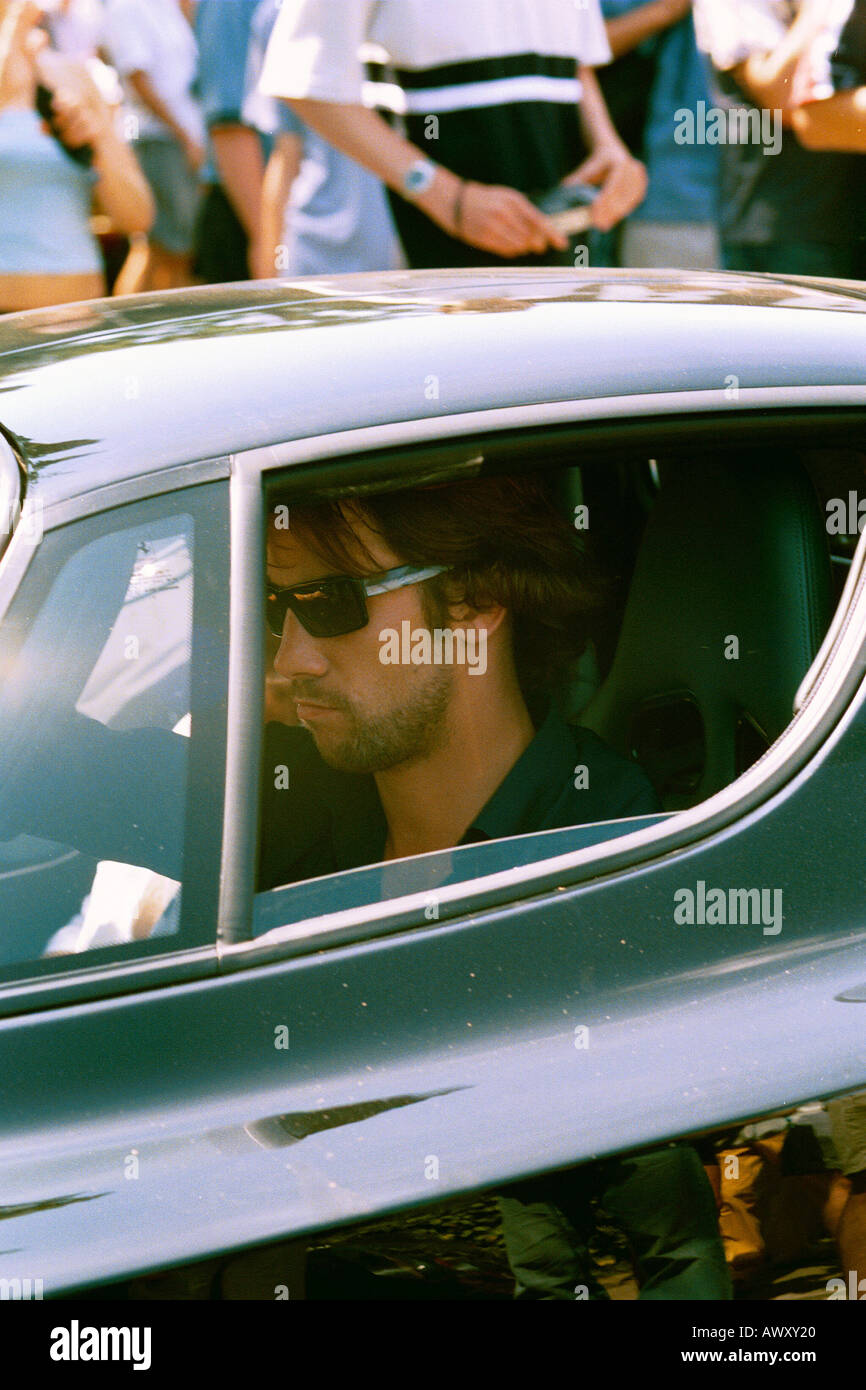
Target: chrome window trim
14,564
10,486
91,982
245,715
838,631
15,560
137,489
806,735
828,700
174,964
428,428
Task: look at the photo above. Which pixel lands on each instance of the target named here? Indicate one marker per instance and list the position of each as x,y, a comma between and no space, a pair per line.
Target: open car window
714,586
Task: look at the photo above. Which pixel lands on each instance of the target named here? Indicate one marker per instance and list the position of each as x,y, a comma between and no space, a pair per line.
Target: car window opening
642,645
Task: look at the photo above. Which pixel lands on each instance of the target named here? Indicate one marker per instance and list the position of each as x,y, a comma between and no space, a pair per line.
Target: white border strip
468,96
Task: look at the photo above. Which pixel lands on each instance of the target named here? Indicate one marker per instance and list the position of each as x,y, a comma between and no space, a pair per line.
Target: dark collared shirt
326,821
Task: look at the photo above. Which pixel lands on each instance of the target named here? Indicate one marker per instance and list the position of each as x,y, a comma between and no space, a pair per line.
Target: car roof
99,393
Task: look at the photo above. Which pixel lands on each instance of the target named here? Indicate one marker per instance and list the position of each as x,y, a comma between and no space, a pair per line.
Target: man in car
420,638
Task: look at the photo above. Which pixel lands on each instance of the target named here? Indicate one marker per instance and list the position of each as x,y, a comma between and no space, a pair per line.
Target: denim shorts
176,191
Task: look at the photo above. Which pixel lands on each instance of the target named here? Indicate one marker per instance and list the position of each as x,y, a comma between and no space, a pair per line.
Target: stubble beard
412,731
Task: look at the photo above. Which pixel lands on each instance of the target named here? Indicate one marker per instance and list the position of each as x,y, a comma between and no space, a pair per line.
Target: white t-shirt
153,37
731,31
77,29
504,51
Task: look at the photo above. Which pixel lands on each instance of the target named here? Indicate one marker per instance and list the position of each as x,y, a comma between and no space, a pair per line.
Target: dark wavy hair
505,540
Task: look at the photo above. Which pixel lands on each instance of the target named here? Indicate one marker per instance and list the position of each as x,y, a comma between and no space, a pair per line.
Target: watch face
419,178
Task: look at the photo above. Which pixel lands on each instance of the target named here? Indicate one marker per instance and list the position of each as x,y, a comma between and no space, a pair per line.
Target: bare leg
169,270
134,275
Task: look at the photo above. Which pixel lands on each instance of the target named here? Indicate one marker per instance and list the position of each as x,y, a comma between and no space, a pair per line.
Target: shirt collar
520,803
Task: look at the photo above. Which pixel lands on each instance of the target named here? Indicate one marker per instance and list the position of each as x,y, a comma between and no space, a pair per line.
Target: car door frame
93,976
606,422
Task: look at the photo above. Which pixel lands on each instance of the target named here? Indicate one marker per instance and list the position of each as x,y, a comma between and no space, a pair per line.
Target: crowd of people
222,140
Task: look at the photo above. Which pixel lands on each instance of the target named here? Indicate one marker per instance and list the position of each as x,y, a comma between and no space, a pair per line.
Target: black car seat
730,599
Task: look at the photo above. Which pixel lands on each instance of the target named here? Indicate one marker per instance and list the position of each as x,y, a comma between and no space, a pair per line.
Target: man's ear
488,620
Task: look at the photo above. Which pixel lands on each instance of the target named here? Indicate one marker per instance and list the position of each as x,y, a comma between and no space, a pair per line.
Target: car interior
705,577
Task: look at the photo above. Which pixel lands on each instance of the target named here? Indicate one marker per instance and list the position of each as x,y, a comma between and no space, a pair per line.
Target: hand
81,114
495,219
194,153
20,41
80,119
279,706
806,81
623,181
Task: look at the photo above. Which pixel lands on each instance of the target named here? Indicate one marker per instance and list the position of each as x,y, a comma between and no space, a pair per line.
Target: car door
442,1025
113,705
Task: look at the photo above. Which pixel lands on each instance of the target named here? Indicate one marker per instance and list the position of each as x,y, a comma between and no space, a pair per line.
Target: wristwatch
418,178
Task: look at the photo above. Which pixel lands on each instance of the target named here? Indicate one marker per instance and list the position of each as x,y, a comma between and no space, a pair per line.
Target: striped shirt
444,55
490,88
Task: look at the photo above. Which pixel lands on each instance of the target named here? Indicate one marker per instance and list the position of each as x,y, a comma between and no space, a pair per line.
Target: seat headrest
729,602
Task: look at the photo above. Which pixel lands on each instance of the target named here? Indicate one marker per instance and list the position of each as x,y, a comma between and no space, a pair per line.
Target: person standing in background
48,253
322,214
152,46
831,116
76,27
657,71
227,226
503,91
784,209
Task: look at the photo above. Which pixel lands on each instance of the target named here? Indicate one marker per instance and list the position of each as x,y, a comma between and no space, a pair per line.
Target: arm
839,123
146,92
18,20
768,78
623,178
626,31
282,170
238,156
123,191
84,118
499,220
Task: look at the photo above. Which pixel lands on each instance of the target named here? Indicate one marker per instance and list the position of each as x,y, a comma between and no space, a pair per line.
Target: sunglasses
336,605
